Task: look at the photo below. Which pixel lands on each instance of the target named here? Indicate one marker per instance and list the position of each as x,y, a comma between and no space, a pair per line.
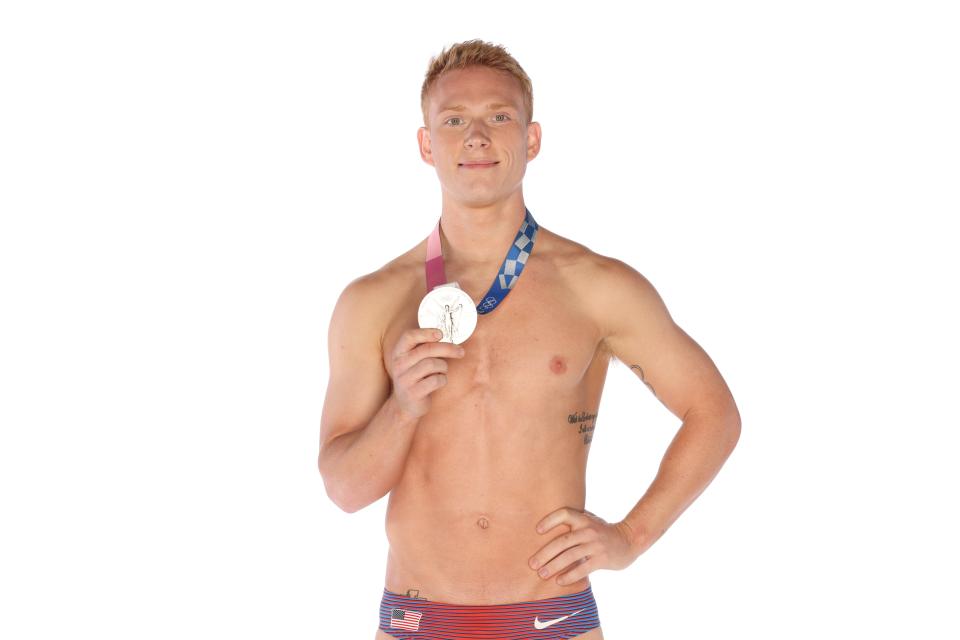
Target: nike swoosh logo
543,625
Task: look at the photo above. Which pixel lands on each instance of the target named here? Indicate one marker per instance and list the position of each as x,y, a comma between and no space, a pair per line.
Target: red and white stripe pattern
405,619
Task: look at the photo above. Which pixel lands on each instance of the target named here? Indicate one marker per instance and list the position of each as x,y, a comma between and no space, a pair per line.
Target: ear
533,140
423,138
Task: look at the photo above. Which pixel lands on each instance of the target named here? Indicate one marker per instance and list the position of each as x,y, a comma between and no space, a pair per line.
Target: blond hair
476,53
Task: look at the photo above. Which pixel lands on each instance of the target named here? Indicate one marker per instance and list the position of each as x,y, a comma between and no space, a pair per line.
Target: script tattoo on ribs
637,367
587,423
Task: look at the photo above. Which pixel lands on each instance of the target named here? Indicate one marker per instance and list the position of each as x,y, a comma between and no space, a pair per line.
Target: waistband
556,618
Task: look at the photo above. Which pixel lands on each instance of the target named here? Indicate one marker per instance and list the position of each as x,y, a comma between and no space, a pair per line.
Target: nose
476,137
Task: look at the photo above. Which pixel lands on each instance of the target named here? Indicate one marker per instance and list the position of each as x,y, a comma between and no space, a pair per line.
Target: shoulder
598,278
573,261
610,290
369,301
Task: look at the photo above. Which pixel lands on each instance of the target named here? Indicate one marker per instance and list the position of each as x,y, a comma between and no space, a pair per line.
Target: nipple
483,523
558,364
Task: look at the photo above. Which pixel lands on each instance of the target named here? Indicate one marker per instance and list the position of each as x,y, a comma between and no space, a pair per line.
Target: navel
558,364
483,523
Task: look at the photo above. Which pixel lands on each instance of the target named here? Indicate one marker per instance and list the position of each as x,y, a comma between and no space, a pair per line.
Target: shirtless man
483,446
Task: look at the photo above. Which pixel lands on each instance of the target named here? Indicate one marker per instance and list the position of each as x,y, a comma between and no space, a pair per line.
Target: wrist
398,414
638,536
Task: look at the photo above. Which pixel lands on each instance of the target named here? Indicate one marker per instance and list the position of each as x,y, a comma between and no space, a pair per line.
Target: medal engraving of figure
448,307
450,328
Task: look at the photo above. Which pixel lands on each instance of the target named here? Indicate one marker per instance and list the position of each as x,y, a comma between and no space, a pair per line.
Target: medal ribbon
509,271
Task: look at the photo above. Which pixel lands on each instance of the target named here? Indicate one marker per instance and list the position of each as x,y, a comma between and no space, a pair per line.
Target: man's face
477,114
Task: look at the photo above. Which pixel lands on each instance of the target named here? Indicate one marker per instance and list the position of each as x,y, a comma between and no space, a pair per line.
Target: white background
186,187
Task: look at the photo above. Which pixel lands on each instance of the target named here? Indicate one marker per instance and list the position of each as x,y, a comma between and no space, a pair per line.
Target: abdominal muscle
461,523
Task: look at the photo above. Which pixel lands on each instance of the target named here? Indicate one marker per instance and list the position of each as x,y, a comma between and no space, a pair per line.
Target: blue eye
449,119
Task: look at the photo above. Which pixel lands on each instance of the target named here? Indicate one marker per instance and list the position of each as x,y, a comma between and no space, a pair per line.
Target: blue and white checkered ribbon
512,265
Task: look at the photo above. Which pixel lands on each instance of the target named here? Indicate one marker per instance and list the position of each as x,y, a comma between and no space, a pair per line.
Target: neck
476,237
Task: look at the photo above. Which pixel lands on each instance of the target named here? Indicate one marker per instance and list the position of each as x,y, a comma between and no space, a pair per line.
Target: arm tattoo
637,367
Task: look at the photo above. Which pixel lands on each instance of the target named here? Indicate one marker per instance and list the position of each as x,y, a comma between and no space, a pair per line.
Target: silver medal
448,308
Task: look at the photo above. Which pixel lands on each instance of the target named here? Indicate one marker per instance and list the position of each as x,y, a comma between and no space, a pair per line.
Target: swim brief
555,618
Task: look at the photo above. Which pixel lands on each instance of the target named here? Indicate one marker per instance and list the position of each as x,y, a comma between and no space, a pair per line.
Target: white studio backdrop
186,187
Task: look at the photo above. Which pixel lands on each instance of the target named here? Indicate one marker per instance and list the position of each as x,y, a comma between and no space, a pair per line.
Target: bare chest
538,344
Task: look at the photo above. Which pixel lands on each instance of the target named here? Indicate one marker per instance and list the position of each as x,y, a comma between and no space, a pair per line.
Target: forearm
701,446
360,467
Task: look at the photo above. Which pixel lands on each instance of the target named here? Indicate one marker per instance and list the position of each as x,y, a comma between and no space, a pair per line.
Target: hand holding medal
448,307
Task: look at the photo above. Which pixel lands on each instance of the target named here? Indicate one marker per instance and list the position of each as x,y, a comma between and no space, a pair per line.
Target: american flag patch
405,619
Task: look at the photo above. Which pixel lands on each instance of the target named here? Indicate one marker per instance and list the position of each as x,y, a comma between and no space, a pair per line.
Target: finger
427,366
554,518
432,350
564,561
582,569
421,371
411,338
405,362
557,546
403,355
428,384
443,349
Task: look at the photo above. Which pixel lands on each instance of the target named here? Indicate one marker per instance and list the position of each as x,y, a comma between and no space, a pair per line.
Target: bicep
358,384
642,334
